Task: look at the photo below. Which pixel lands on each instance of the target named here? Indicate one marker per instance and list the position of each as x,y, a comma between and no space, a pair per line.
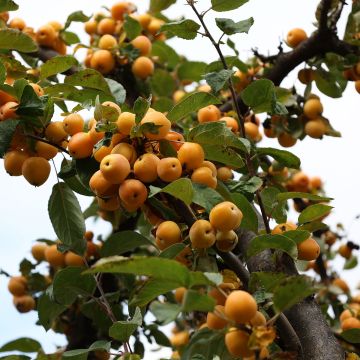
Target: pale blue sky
23,208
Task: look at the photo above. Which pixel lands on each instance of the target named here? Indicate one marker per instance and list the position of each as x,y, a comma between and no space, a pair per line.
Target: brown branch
47,142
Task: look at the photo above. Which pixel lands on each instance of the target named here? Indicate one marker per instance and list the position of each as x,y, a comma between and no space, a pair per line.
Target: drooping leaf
297,236
117,90
260,96
217,80
160,5
191,104
97,345
77,16
352,336
13,39
191,70
132,27
69,37
206,197
181,189
264,242
250,219
122,330
273,207
57,65
88,78
8,5
195,301
172,251
24,344
185,29
166,54
166,312
314,212
141,106
300,195
227,5
122,242
162,83
284,157
7,129
67,218
230,27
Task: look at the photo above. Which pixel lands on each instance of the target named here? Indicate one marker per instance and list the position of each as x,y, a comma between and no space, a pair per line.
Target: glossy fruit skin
224,174
211,166
115,168
169,169
159,119
240,307
145,168
13,162
46,35
306,76
38,251
45,150
142,67
167,234
295,37
308,249
101,187
133,193
203,175
125,122
73,124
208,114
81,145
202,234
313,108
24,303
54,257
36,170
55,132
107,42
214,321
236,342
179,294
225,216
315,128
106,26
17,285
100,153
102,61
142,43
191,155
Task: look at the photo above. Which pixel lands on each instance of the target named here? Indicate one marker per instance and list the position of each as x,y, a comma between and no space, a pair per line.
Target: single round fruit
308,249
81,145
13,162
236,342
225,216
208,114
251,131
17,23
168,233
101,187
224,173
24,303
231,123
162,123
191,155
55,132
281,228
219,297
345,251
102,61
38,251
295,37
143,44
313,108
115,168
350,323
180,339
73,123
36,170
204,175
240,307
202,234
118,10
316,182
125,122
306,76
145,168
100,153
216,320
133,193
91,27
72,259
142,67
286,140
340,283
46,35
226,240
45,150
179,294
258,320
107,42
169,169
211,166
300,181
126,150
106,26
17,285
109,204
315,128
54,257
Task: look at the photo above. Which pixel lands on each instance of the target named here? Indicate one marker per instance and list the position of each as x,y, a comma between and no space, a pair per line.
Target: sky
23,208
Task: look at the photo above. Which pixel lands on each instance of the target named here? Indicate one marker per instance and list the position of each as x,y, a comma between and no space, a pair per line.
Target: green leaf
351,263
273,208
122,330
69,37
265,280
117,90
284,157
172,251
331,83
264,242
67,218
13,39
185,29
132,27
2,72
159,5
260,96
300,195
165,53
141,106
191,104
206,197
230,27
291,291
352,336
245,186
8,5
191,70
77,16
7,129
85,169
162,83
217,133
88,78
97,345
76,185
226,5
69,283
297,236
224,155
250,219
181,189
24,344
217,80
122,242
314,212
48,309
166,312
195,301
56,65
313,226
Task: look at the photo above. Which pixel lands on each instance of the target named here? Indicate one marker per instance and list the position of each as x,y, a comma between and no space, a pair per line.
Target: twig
38,138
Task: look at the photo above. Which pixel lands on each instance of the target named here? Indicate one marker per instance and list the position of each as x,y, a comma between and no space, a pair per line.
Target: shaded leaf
166,312
185,29
226,5
217,80
132,27
314,212
230,27
122,330
7,129
24,344
284,157
13,39
250,219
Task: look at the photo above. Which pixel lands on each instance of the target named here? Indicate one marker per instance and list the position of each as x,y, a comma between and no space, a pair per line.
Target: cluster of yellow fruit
108,34
350,317
238,312
18,285
47,35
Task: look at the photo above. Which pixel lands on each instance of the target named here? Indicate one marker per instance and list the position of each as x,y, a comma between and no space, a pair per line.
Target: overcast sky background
23,208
